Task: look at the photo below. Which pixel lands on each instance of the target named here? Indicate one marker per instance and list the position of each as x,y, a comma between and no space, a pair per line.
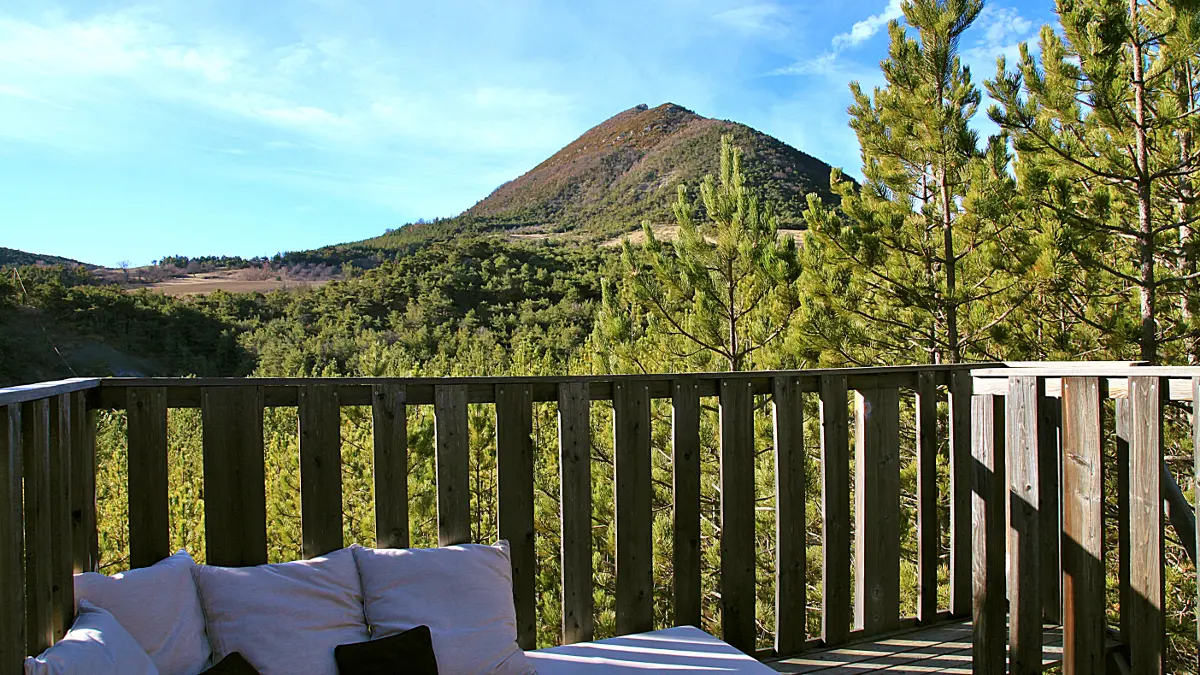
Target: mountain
626,170
11,256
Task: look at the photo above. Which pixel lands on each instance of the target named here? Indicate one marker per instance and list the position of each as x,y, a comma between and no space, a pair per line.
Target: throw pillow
234,664
410,652
95,645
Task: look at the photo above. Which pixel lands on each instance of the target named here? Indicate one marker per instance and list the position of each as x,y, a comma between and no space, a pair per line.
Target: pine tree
923,262
714,297
1103,125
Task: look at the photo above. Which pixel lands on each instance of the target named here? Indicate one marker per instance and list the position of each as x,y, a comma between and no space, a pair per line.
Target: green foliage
927,259
713,298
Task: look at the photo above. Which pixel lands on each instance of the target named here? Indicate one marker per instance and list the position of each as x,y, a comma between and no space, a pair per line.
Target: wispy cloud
866,29
760,18
827,62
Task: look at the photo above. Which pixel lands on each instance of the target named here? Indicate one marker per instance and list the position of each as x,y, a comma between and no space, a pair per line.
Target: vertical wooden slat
835,510
960,493
1196,483
1083,526
927,498
84,536
737,514
453,464
514,471
791,598
62,587
320,422
235,511
1025,603
1147,642
1121,423
631,433
575,495
685,432
35,439
12,557
877,510
1049,520
389,417
989,492
149,526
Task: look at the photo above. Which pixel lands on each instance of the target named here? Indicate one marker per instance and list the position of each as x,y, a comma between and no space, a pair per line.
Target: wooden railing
1040,435
48,492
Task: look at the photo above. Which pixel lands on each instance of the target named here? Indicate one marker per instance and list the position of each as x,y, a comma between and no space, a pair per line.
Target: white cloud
864,30
760,18
860,32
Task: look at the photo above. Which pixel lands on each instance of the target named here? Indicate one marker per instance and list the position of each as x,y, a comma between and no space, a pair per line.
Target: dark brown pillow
410,653
234,664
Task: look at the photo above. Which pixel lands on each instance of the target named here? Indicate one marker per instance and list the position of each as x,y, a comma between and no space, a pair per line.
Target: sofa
354,611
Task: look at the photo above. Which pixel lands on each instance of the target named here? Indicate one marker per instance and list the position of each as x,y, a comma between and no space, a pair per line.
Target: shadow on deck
944,648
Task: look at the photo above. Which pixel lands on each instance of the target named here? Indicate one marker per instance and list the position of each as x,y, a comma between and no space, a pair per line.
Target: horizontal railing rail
49,492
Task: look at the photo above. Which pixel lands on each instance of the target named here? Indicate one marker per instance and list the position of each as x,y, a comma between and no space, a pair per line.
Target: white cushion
285,618
680,649
95,645
159,607
463,593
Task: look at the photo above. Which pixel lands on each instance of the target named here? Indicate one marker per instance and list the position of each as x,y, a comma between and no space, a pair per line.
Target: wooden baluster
1083,526
389,417
877,510
631,433
453,464
685,432
737,515
575,495
12,556
791,535
927,498
1122,422
84,536
1147,643
235,511
835,509
1050,523
149,520
514,471
320,422
960,493
35,438
1025,603
988,495
1196,482
62,587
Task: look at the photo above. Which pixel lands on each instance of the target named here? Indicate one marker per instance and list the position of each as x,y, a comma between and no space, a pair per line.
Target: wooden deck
944,648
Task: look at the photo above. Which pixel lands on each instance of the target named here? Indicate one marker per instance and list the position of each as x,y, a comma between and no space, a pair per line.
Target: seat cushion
159,607
680,649
285,618
463,593
410,652
97,644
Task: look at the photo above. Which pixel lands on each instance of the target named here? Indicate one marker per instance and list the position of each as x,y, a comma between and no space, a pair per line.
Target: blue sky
132,131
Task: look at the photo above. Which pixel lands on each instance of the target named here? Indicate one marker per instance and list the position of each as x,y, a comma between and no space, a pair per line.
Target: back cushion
284,618
159,607
463,593
95,645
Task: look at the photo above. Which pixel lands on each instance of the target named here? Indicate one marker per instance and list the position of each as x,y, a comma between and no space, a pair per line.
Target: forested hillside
1068,235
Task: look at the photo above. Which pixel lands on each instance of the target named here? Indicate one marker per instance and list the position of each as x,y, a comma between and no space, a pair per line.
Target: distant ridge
12,257
626,170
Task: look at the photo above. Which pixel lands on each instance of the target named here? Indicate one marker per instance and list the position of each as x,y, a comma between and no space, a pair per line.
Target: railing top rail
1089,369
530,379
32,392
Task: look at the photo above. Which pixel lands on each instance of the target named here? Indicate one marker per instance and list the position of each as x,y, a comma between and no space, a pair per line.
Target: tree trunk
1148,340
954,355
1187,245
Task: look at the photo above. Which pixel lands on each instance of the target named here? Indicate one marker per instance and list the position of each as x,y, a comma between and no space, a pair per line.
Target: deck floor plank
944,648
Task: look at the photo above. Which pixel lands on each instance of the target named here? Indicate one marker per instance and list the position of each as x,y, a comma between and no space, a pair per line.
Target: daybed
443,611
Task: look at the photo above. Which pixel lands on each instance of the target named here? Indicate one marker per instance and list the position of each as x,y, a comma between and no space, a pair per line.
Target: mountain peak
628,167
